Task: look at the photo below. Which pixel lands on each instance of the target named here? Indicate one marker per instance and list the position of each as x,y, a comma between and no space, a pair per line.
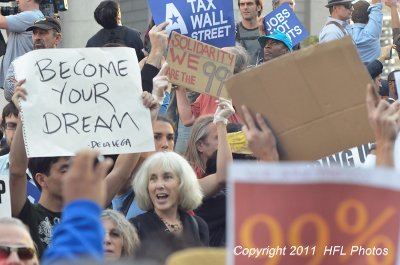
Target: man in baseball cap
46,23
275,45
336,25
46,34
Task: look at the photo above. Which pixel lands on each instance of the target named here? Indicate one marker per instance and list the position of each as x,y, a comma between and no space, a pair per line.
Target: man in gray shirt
19,40
247,30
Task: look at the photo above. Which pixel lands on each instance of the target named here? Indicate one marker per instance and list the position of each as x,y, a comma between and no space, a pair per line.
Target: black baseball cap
46,23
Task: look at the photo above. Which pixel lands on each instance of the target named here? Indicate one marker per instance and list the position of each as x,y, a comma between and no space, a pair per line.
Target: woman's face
112,240
163,136
163,189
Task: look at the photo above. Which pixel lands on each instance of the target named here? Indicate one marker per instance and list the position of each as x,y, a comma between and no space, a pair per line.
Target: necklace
174,228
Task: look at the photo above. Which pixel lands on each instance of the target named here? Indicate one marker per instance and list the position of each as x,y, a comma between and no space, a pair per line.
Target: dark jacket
121,34
195,230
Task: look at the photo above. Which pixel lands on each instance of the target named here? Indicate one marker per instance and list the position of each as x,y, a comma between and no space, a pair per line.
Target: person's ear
200,146
41,179
58,38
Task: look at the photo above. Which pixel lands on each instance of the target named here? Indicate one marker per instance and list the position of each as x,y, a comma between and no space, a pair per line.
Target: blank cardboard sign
313,99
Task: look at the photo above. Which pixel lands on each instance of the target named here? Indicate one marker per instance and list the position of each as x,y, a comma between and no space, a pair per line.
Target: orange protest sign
198,66
294,214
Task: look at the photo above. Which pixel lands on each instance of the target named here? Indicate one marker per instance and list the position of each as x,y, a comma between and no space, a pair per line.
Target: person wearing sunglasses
16,244
336,26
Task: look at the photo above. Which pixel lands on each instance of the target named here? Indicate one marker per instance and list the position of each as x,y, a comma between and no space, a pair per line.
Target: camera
10,7
48,7
52,7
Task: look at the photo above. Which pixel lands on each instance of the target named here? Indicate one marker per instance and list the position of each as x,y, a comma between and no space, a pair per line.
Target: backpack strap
339,26
127,203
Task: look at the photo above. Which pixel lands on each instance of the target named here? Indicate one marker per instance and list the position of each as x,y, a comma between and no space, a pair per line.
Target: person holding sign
48,173
208,135
80,234
247,29
336,26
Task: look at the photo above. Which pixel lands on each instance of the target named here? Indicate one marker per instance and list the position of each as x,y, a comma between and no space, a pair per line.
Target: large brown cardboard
314,99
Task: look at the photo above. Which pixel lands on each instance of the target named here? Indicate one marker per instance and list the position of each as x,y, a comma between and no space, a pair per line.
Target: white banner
5,199
83,98
353,157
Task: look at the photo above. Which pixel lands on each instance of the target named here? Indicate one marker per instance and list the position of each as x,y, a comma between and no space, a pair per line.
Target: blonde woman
167,187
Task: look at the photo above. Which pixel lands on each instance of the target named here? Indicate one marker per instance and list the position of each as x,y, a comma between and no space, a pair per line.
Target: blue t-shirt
134,209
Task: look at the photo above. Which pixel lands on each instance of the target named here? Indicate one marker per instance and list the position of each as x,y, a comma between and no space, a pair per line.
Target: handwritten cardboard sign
209,21
83,98
313,99
285,20
199,66
295,214
5,198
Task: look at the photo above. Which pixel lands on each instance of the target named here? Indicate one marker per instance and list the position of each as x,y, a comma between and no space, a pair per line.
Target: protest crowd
150,207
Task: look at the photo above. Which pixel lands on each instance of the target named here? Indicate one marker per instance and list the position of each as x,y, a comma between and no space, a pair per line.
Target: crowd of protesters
146,206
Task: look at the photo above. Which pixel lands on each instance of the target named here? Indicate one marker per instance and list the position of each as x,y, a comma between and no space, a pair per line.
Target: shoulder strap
237,36
339,26
196,225
127,203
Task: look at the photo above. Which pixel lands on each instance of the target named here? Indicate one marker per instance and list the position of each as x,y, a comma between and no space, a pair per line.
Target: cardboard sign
199,66
285,20
313,99
5,197
209,21
353,157
295,214
83,98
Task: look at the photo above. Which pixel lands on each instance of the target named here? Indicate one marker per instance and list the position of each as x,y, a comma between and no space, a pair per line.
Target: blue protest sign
284,19
209,21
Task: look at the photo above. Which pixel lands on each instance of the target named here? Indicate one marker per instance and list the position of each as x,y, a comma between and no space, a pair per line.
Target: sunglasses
24,253
347,5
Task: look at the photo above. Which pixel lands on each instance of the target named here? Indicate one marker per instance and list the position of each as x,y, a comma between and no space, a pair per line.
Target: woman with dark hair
108,15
